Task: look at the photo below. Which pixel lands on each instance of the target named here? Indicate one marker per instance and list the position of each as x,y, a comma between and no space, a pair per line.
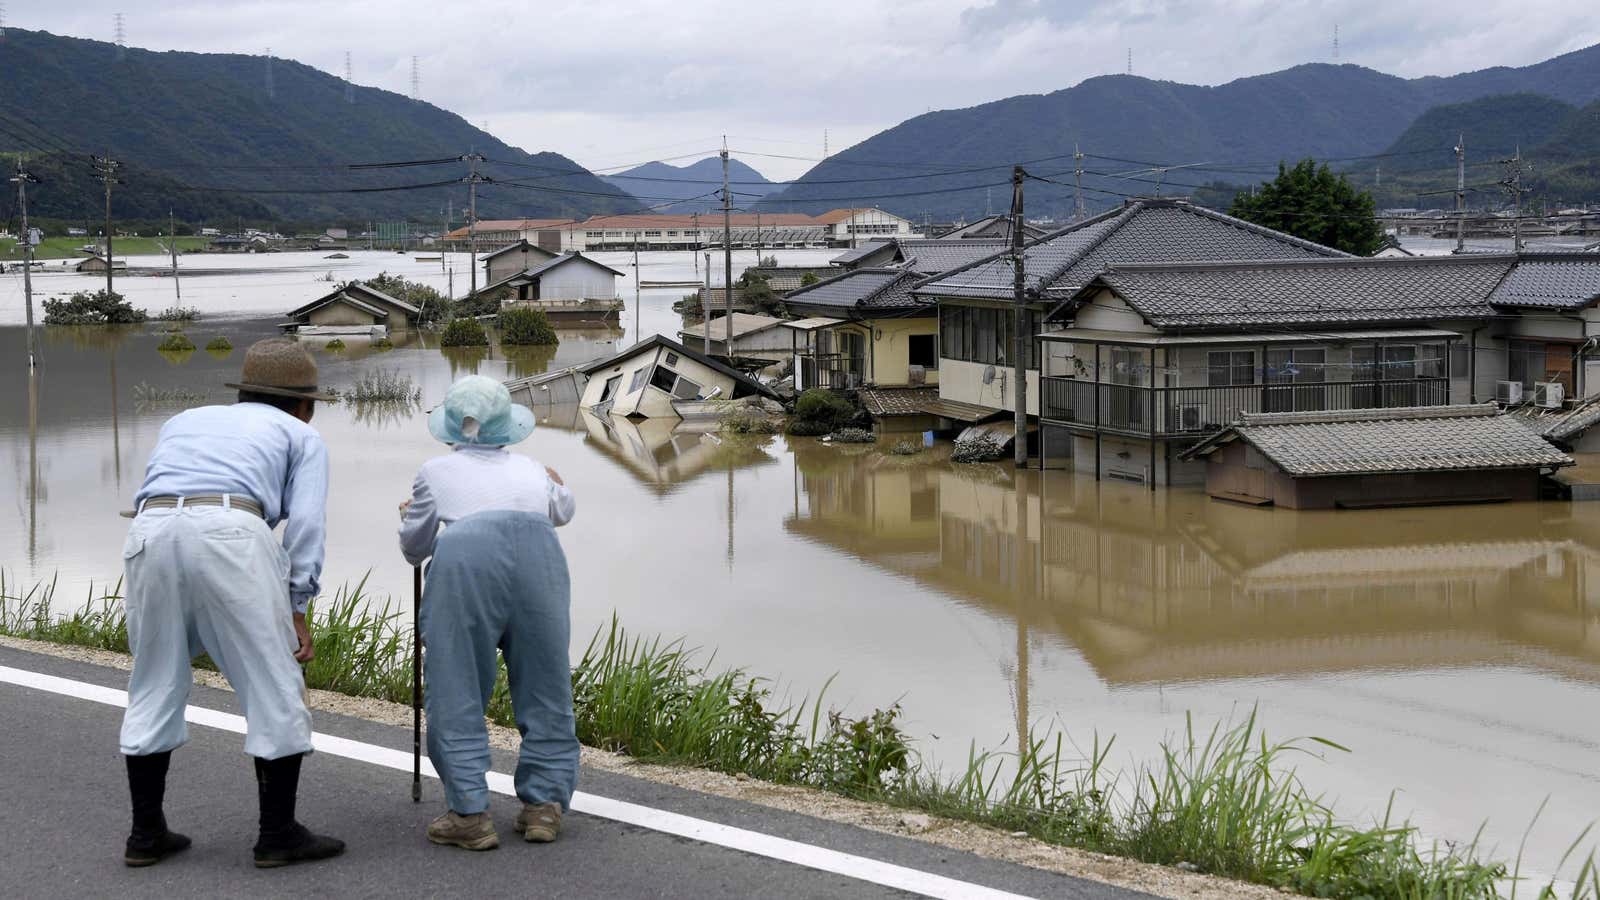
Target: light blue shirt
261,452
473,479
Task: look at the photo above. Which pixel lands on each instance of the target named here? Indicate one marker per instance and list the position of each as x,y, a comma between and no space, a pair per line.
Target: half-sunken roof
359,294
886,291
743,324
1380,441
1560,424
1142,231
1347,291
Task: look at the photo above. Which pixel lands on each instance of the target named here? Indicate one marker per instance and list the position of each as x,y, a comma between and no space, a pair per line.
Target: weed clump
745,419
384,386
525,326
819,411
382,345
100,307
464,333
979,448
851,436
334,346
176,342
906,448
178,314
219,344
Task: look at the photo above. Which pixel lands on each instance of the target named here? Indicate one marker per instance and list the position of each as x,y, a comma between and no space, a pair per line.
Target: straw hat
478,410
280,367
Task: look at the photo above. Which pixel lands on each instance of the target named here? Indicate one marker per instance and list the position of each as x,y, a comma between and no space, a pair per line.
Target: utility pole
472,160
22,178
1461,193
172,236
705,306
727,249
106,170
637,336
1077,184
1513,184
1019,335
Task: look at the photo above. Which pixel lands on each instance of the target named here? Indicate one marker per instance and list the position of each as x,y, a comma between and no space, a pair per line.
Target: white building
847,226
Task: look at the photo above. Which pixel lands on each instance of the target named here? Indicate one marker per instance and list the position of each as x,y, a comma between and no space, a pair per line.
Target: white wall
963,382
579,279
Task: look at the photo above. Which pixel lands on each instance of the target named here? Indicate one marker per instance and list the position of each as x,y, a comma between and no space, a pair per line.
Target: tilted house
864,327
977,309
514,259
646,379
1376,457
353,309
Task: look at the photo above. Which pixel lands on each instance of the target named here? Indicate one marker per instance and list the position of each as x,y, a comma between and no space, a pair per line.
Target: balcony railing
1179,411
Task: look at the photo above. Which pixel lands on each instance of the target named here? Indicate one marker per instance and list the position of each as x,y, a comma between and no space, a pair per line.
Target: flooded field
1455,651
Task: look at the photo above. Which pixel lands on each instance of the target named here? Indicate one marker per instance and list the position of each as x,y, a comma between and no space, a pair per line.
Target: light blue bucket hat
478,410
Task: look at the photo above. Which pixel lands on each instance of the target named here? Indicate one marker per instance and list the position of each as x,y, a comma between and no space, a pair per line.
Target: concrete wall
963,382
1130,459
513,262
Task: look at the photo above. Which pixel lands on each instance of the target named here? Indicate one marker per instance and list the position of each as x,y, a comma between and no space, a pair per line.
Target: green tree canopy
1311,202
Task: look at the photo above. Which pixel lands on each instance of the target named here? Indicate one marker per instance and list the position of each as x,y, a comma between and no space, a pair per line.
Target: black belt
231,501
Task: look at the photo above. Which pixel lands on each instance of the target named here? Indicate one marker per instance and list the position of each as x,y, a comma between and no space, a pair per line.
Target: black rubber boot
150,841
284,841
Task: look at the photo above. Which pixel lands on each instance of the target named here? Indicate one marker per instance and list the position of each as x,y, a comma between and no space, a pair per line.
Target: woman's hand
403,507
554,475
302,633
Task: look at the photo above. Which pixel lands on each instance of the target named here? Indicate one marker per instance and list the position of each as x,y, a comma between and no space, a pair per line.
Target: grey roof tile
1345,291
1143,231
861,289
1551,280
1560,425
1419,439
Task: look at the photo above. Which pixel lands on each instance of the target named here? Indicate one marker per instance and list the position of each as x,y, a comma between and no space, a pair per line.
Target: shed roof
743,324
1388,441
1141,231
862,291
521,245
1345,291
814,323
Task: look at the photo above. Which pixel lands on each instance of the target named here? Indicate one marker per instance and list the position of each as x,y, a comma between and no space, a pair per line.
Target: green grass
67,247
1224,800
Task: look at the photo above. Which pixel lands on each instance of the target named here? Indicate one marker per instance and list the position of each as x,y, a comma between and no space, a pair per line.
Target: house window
686,389
1295,366
1226,368
664,378
651,234
610,389
672,359
952,332
921,351
638,380
594,234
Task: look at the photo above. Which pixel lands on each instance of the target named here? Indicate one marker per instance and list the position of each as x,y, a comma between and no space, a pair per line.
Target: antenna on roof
271,92
1130,60
1336,42
416,80
121,39
824,131
2,21
349,80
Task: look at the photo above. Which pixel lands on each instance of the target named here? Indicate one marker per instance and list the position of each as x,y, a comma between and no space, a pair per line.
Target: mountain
1239,131
209,121
655,183
1498,125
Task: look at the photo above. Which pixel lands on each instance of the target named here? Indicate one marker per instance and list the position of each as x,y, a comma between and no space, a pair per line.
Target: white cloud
593,80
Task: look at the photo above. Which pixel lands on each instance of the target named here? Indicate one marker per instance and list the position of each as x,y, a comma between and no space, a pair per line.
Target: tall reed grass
1225,799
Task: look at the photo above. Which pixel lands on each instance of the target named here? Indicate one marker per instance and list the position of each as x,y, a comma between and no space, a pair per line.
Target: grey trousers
217,580
499,580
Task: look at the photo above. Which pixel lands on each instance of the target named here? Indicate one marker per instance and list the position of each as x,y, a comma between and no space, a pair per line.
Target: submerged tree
100,307
1313,203
432,305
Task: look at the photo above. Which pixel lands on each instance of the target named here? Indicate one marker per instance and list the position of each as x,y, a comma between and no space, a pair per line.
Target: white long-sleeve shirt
474,479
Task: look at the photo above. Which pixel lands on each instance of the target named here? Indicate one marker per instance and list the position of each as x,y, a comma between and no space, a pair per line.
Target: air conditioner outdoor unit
1191,416
1508,393
917,376
1548,394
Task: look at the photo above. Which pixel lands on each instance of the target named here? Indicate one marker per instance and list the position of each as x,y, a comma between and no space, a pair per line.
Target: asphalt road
63,805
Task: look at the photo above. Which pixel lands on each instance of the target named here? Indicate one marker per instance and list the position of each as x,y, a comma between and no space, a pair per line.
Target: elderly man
204,572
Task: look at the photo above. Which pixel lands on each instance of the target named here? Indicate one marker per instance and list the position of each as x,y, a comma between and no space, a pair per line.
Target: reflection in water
33,467
464,361
1172,587
176,357
522,362
665,453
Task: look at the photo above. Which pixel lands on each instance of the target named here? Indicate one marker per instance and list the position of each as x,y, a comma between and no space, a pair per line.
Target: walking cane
416,684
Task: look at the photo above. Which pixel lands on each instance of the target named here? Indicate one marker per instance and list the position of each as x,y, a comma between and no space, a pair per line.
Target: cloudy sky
613,82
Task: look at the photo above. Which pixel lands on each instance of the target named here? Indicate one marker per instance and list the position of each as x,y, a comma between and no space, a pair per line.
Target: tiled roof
1554,280
861,289
1346,291
1376,441
856,254
360,287
990,227
1143,231
1560,425
932,257
743,324
790,278
896,401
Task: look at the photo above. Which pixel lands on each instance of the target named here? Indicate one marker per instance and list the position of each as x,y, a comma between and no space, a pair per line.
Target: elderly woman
498,580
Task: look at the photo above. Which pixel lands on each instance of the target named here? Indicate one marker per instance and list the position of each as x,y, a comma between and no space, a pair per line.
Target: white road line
753,842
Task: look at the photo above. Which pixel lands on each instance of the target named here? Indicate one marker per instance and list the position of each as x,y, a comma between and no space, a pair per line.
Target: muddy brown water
1455,651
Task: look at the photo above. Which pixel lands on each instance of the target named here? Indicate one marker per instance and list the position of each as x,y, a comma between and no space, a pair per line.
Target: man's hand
554,475
303,633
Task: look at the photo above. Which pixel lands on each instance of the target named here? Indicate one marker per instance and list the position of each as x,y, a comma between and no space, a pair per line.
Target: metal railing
1178,411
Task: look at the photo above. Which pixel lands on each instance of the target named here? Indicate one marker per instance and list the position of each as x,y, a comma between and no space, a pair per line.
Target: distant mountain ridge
655,183
208,120
1238,131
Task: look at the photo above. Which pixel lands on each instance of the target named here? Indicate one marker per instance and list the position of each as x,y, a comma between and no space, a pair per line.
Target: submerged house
570,286
653,377
514,259
97,264
353,309
861,328
1376,457
976,307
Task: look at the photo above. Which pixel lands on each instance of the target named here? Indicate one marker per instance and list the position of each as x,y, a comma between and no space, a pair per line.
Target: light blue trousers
499,580
217,580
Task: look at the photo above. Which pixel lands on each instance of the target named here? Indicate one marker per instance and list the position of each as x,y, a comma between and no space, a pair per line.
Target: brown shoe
474,832
539,823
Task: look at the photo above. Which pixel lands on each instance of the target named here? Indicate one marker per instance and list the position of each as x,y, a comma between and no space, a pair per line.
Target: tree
1313,203
97,308
433,306
522,325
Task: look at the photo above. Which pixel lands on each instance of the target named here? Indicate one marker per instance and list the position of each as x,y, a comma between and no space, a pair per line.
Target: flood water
1455,651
